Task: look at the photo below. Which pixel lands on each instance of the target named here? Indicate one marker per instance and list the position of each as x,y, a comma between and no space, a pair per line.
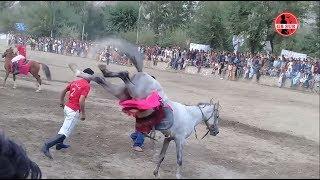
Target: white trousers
71,118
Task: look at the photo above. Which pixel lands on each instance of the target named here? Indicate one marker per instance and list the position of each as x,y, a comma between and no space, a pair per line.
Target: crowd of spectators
232,66
65,46
226,65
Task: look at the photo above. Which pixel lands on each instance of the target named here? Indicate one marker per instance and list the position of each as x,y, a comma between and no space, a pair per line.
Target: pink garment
152,101
23,68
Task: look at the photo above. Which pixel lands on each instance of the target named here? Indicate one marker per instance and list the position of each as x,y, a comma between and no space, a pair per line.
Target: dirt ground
265,132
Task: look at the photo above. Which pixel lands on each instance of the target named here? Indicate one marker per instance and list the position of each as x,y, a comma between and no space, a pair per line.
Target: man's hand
83,117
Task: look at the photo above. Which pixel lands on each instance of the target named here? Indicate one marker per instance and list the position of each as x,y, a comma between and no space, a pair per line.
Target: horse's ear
218,104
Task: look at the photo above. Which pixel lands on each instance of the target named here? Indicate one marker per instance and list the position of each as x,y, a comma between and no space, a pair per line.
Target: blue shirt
295,67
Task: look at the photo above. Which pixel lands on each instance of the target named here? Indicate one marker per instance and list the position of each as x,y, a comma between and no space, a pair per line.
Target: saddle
23,66
161,117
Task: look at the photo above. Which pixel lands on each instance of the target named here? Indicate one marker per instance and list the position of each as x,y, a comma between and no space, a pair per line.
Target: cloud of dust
124,46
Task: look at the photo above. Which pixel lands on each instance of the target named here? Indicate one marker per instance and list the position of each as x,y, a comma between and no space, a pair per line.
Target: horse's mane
199,104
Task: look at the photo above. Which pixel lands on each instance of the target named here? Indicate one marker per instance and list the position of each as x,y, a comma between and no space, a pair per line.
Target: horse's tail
47,72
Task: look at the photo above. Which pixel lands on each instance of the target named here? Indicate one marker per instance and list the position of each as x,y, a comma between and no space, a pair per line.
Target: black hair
14,162
88,71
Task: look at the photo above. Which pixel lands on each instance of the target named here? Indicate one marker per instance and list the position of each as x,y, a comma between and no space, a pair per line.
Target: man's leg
71,119
138,139
15,68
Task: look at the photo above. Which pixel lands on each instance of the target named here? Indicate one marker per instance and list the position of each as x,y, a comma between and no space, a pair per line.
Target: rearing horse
184,118
33,68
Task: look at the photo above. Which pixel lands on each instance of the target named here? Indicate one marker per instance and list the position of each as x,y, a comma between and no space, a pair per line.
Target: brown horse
34,68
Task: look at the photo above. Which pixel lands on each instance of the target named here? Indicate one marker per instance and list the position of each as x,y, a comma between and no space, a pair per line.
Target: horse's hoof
156,173
178,176
102,66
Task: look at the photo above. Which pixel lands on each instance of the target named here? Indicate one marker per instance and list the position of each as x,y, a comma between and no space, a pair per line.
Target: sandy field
265,132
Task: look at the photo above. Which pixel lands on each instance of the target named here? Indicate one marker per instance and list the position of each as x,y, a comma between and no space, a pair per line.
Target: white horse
140,85
186,118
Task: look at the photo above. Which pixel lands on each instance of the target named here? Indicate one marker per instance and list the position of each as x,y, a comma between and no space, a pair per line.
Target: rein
204,117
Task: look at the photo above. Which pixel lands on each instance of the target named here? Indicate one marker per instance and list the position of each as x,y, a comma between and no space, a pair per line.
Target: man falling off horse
150,113
79,90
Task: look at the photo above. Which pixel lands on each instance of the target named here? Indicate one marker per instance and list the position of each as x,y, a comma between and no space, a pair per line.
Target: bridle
204,118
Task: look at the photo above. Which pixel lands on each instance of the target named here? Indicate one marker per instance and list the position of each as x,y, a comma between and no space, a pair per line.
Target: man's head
14,162
88,71
87,74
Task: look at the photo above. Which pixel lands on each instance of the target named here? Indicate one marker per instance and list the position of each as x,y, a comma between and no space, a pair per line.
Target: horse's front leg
179,149
5,79
118,91
165,145
14,81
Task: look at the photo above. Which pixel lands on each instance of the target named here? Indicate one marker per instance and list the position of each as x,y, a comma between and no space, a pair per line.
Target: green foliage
169,23
146,37
130,36
121,17
66,19
167,15
69,32
37,19
176,37
208,27
7,20
5,5
94,26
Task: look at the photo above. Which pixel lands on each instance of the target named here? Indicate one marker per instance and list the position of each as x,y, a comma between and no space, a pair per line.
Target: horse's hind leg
37,76
165,145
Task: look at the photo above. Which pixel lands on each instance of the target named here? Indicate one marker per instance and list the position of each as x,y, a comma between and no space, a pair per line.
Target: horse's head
9,53
210,115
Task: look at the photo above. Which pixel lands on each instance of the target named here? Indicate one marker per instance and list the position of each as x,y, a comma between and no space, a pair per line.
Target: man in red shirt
79,90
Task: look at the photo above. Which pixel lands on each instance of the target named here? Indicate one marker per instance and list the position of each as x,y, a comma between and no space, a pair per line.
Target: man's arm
82,107
63,94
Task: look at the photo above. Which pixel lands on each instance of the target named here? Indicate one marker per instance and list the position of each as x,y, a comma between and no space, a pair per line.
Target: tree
121,17
37,18
207,27
255,19
94,26
6,4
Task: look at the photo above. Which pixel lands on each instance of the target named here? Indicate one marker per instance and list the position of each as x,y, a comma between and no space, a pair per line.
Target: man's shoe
45,150
56,140
137,148
62,146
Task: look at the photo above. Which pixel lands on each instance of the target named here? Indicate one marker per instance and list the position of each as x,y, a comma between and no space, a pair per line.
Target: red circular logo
286,24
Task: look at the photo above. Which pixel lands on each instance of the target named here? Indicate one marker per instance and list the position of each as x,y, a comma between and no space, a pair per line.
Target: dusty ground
266,132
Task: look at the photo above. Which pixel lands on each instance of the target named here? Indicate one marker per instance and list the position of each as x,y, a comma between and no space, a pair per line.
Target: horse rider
21,56
74,110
